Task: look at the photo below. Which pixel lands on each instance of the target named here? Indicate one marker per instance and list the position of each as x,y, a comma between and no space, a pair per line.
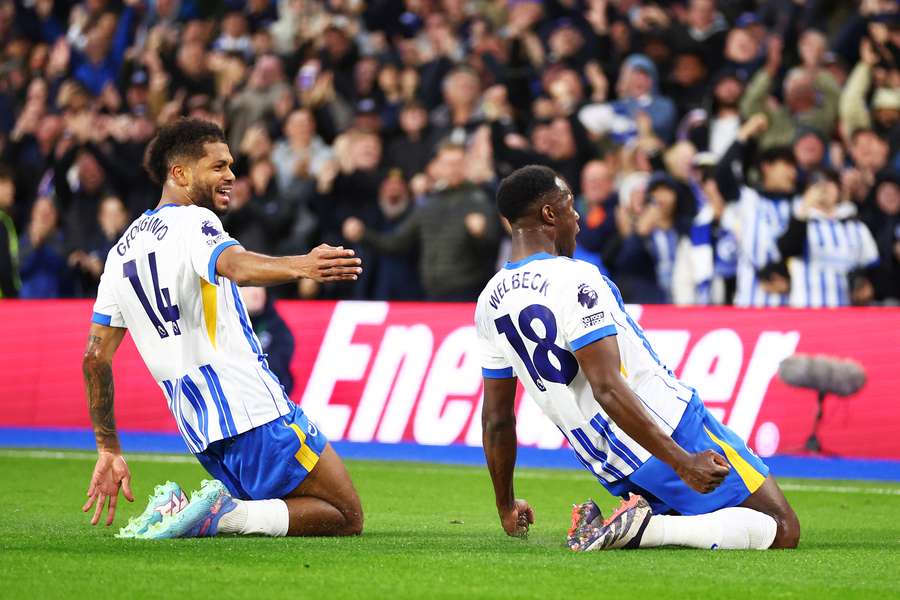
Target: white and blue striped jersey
664,248
762,220
835,246
189,324
530,319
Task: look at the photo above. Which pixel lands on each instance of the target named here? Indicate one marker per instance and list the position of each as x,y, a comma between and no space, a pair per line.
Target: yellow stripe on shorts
752,478
305,456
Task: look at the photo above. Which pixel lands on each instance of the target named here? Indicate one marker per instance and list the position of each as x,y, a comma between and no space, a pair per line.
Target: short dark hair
523,188
776,154
6,173
824,174
182,139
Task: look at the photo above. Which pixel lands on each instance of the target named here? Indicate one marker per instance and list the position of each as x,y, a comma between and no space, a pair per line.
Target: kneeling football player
172,281
561,328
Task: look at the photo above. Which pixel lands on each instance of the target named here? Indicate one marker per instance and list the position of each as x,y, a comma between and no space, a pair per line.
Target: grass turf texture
430,532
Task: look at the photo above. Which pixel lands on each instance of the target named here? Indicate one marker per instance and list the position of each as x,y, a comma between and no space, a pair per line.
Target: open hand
476,224
517,519
704,471
329,263
353,229
752,127
110,473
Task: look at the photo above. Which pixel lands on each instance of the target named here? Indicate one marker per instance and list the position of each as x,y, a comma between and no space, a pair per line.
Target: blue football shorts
268,461
698,430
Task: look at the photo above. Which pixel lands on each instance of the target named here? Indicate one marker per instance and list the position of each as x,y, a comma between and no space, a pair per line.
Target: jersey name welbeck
525,279
189,324
528,328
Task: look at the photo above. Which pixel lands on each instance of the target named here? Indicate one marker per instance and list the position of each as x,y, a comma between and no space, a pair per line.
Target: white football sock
734,528
265,517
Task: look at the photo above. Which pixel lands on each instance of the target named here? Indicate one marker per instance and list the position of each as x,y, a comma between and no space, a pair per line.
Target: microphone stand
812,442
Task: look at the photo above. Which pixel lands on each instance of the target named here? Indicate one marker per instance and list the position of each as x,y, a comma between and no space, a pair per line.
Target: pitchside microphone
826,375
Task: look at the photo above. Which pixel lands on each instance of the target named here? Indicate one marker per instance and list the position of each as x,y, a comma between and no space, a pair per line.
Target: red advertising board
390,372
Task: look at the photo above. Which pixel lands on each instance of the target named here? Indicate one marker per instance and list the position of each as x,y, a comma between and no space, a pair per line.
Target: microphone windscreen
823,373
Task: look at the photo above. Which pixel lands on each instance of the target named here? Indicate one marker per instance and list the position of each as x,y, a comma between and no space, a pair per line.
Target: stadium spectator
80,182
356,91
643,254
29,150
713,129
687,83
703,28
275,337
744,45
458,116
883,219
265,87
348,185
87,262
638,93
43,264
265,218
97,65
456,230
9,238
596,205
706,260
412,149
763,217
300,155
396,275
810,152
830,253
810,99
559,142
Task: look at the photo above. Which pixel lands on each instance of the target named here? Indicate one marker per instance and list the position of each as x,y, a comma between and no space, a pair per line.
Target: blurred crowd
721,151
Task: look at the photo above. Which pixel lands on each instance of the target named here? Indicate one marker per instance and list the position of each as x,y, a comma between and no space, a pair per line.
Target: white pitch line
526,474
833,489
84,455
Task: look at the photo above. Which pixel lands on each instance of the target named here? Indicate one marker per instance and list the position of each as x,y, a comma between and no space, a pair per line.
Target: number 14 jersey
533,315
189,324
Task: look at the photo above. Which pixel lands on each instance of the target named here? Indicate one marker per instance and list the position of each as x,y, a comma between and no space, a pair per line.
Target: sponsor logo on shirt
591,320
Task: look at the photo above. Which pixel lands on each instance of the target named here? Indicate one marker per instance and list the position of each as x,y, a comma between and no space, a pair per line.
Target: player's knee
788,534
353,522
353,517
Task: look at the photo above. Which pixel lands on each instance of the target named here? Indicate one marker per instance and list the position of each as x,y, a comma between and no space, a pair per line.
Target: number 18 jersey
533,315
189,324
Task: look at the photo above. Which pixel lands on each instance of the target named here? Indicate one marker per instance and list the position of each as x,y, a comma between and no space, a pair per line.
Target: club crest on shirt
587,297
210,230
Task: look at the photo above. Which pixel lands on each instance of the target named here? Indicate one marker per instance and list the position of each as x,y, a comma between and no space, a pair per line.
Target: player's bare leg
746,526
326,503
633,525
770,500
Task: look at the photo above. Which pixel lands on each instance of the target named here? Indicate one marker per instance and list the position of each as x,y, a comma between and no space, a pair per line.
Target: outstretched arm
498,425
600,362
110,472
323,263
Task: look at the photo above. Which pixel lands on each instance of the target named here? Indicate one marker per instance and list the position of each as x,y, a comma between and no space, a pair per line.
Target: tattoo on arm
99,383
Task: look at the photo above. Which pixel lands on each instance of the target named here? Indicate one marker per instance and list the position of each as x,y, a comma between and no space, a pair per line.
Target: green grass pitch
430,532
